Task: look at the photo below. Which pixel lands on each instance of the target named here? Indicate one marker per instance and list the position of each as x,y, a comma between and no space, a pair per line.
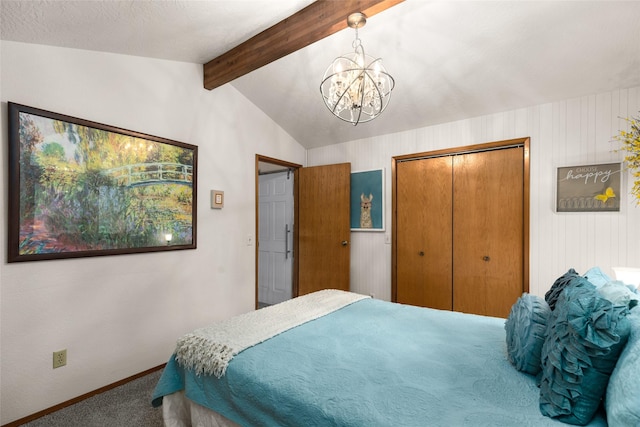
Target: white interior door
275,266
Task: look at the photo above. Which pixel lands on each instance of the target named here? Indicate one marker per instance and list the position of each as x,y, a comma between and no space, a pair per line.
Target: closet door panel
424,231
488,228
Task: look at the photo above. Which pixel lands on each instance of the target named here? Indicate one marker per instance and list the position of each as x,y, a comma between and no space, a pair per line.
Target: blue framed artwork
367,200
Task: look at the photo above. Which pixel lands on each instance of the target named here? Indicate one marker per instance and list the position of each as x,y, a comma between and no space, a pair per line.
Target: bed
359,362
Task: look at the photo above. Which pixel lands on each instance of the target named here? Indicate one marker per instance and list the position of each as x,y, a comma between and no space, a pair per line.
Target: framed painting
589,188
367,200
79,188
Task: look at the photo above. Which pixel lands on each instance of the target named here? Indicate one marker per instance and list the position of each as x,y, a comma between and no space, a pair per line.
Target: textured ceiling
188,31
451,59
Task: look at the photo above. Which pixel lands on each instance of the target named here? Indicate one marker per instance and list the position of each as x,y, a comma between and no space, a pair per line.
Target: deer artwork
365,211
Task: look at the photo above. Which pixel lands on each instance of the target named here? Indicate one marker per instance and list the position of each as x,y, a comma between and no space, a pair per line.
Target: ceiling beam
315,22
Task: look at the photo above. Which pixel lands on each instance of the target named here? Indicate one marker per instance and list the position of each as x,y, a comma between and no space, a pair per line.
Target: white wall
564,133
121,315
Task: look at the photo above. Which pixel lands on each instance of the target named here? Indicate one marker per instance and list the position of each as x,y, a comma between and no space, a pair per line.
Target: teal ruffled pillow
623,392
567,279
585,337
619,294
597,277
526,328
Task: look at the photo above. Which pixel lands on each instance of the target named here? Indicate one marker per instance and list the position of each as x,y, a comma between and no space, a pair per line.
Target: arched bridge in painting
140,174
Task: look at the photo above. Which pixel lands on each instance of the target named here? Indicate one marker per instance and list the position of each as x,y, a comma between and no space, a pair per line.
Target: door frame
294,168
524,142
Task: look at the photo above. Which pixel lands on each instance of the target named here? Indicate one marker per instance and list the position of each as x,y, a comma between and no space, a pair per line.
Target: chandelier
356,88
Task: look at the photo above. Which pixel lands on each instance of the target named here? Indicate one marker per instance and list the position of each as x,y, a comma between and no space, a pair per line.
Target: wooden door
488,231
324,228
424,232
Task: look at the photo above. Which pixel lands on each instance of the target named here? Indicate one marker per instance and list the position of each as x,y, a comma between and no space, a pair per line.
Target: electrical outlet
59,358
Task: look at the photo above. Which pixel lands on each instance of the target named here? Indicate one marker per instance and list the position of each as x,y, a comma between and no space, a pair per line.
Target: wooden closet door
424,232
488,237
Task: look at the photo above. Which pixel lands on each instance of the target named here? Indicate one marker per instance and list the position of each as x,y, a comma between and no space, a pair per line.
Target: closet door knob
421,253
486,258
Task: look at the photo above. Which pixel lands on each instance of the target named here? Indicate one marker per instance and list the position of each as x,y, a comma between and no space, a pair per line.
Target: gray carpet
126,406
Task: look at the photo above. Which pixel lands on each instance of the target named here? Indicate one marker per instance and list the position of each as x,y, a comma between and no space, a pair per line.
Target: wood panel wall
563,133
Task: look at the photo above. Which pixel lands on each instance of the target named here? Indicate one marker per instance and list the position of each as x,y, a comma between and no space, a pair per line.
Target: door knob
486,258
344,243
421,253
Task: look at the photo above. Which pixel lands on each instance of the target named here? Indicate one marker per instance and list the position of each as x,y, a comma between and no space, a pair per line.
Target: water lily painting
79,188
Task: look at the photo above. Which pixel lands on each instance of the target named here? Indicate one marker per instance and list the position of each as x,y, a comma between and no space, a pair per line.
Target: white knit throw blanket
209,350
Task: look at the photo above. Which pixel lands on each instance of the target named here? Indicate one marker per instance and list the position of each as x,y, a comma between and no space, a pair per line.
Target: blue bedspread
372,363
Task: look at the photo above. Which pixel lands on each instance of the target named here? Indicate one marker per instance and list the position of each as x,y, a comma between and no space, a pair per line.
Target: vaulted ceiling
451,59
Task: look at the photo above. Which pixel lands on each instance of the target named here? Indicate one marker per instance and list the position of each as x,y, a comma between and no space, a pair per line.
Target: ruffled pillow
526,327
585,337
597,277
570,278
623,391
619,294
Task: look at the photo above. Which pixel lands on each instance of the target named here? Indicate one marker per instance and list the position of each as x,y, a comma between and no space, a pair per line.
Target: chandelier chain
356,42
